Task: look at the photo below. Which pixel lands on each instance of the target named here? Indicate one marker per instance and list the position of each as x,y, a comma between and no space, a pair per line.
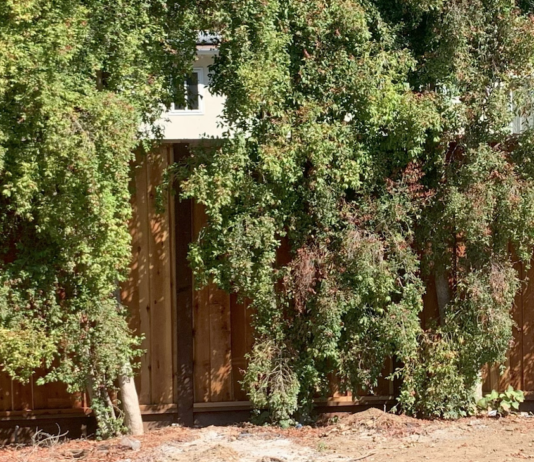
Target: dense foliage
78,78
370,154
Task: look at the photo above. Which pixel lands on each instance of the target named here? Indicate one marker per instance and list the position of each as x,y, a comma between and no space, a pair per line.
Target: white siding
181,125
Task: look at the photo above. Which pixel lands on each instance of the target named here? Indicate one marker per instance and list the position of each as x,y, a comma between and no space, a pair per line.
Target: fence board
249,314
202,348
494,377
220,343
383,387
201,326
52,396
160,287
141,229
528,333
240,347
22,396
515,375
5,392
174,298
183,232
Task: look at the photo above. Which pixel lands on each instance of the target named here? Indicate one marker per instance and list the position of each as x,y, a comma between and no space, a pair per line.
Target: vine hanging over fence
373,137
78,81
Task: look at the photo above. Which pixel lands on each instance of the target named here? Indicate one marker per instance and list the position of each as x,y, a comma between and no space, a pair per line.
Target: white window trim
200,110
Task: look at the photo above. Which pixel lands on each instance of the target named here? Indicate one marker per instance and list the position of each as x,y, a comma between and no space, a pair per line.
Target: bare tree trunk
130,402
129,397
90,387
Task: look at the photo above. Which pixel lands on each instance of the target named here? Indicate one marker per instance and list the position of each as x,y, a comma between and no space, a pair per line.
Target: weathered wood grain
160,286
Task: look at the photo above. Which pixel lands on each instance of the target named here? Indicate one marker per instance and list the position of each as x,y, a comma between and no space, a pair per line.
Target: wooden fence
195,342
519,367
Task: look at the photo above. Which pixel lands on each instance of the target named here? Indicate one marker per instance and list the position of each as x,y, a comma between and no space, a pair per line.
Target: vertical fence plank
238,313
183,229
202,348
141,225
504,379
515,375
160,286
174,296
486,381
22,396
5,392
249,333
138,276
220,342
528,333
384,385
201,325
494,374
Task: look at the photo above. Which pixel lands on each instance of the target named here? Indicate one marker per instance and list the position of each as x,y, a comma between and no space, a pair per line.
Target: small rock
170,449
130,443
244,435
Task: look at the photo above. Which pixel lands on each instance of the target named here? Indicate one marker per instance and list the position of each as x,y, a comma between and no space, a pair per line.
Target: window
193,95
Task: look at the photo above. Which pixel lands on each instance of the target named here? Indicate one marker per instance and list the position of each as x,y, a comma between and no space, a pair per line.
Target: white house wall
194,125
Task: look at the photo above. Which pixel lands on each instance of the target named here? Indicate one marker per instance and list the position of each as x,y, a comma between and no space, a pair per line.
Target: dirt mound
374,420
217,453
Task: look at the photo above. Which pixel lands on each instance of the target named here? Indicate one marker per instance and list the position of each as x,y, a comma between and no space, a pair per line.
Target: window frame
200,111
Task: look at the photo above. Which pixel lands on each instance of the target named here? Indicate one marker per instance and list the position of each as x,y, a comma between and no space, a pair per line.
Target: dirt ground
367,436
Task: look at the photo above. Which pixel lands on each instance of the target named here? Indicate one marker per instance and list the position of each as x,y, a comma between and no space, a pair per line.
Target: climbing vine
80,81
369,156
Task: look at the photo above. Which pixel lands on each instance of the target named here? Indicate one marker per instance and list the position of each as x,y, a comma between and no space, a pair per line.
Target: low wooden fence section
518,370
195,342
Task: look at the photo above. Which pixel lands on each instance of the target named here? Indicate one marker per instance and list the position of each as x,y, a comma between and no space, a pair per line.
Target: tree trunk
130,402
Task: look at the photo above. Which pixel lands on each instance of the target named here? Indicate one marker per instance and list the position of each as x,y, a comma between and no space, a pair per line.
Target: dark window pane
192,92
192,96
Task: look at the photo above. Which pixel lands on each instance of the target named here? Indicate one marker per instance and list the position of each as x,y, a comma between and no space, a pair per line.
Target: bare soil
367,436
